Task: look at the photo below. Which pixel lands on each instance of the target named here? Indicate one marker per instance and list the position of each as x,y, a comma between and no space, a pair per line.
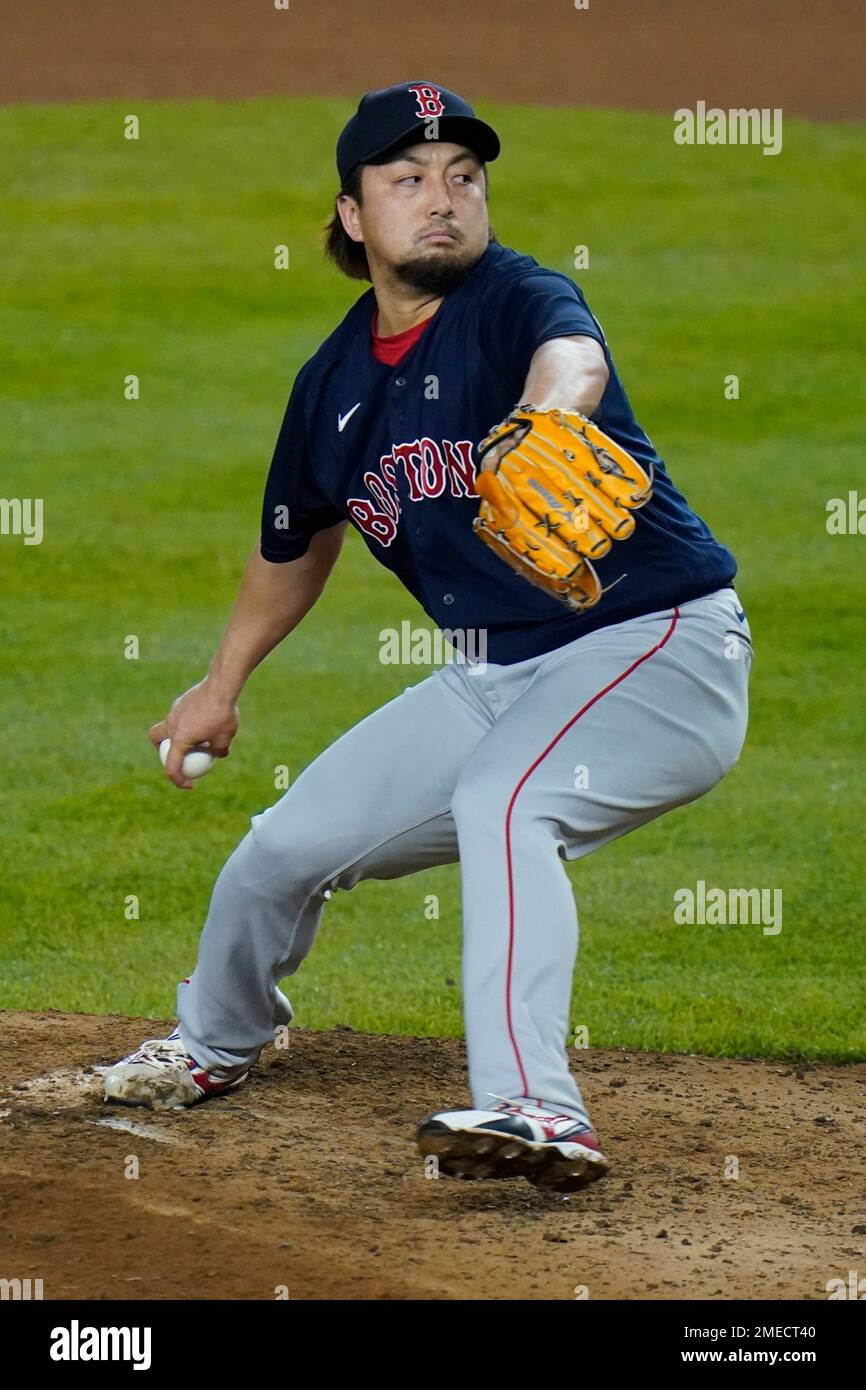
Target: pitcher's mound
731,1179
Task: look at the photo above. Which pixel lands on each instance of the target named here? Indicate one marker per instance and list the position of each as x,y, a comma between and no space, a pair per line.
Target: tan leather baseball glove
557,500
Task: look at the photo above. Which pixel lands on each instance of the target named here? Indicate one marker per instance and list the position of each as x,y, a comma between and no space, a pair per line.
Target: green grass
156,258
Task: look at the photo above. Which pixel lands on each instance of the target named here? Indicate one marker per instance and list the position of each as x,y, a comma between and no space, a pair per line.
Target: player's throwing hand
198,716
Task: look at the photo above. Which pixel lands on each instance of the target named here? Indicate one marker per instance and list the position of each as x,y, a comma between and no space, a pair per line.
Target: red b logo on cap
429,101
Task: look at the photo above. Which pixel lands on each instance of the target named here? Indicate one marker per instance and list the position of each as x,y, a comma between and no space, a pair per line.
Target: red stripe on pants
524,779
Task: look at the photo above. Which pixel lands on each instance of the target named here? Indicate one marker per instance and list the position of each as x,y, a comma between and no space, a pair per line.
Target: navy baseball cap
389,118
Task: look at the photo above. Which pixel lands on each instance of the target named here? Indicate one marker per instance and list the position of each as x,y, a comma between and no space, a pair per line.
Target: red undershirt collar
392,349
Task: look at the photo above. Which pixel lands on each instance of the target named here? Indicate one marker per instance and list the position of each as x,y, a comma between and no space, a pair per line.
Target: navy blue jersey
392,449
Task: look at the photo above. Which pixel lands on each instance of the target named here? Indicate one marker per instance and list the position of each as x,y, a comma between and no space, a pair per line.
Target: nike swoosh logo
343,420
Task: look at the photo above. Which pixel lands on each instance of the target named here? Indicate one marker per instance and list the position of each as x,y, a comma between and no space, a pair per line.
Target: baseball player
616,654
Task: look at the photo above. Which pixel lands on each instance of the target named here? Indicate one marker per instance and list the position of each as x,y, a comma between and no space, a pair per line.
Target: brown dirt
645,54
308,1177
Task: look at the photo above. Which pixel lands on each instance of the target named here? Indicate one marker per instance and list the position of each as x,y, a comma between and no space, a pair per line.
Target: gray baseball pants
510,770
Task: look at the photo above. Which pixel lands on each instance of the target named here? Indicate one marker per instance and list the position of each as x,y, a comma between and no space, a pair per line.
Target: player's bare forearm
565,373
272,600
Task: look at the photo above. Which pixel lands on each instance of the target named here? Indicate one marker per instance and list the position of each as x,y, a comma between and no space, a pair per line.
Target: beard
435,272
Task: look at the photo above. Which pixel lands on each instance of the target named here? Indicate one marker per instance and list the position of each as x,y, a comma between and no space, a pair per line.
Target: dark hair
350,256
347,255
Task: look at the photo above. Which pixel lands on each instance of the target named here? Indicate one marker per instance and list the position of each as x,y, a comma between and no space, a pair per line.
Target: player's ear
348,210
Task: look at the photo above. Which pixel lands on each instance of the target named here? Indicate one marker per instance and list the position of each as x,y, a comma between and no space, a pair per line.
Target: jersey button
400,381
418,531
447,598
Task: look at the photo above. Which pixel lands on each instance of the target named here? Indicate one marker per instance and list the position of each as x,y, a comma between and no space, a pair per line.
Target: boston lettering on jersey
391,448
427,467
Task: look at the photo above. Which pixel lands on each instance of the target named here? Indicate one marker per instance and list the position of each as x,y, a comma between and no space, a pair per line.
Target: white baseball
196,762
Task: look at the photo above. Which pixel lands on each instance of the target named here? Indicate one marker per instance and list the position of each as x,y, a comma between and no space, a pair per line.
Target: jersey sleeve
537,306
293,509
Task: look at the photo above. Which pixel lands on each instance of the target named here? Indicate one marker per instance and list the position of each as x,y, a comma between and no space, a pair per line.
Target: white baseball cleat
162,1075
554,1152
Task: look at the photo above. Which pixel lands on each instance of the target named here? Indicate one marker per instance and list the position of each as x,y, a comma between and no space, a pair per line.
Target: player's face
423,219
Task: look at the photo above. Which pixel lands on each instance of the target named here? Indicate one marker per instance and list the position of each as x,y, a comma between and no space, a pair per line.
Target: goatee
435,274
